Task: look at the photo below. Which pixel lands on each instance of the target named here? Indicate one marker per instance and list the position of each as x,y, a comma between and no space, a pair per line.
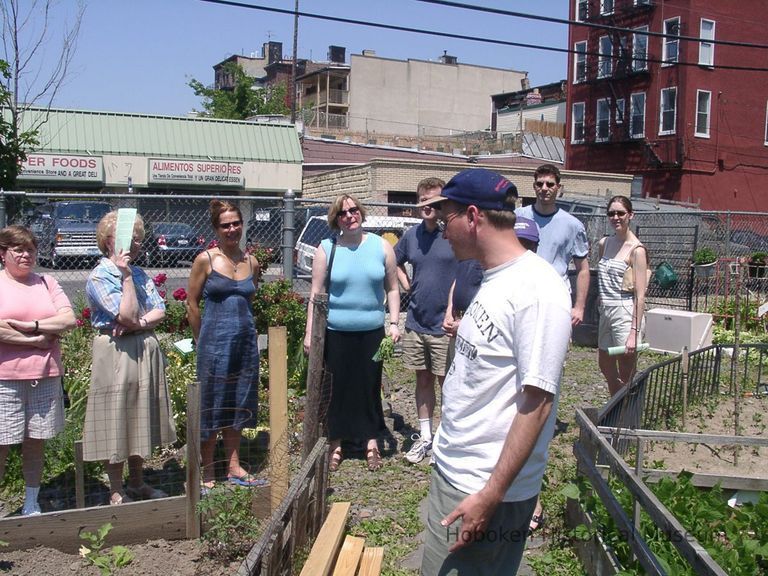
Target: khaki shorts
614,325
30,409
425,352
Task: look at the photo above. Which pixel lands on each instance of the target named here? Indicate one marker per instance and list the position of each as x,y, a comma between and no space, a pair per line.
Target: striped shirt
609,274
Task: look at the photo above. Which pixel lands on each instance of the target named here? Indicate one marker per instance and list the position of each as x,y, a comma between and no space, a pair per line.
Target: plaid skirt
128,411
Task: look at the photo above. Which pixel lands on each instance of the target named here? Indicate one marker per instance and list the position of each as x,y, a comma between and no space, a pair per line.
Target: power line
471,38
584,24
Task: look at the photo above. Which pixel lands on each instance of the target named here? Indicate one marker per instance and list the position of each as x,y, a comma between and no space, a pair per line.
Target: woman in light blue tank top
362,272
621,312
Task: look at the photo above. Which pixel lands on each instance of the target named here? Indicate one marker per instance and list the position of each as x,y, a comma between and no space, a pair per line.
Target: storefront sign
195,172
62,168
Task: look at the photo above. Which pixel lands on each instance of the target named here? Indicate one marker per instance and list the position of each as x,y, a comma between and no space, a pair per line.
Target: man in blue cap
500,394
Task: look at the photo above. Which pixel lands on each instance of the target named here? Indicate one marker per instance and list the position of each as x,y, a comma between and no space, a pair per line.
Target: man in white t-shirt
500,394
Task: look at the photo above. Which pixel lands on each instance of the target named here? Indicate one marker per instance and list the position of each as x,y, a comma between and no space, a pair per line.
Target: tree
31,73
243,100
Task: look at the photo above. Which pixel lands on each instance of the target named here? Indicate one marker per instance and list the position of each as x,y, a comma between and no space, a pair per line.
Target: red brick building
672,111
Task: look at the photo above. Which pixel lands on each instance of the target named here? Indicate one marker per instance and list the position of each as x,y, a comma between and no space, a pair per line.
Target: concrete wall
417,97
374,180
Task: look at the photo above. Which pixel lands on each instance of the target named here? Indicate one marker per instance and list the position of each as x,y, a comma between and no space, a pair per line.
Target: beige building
395,180
374,95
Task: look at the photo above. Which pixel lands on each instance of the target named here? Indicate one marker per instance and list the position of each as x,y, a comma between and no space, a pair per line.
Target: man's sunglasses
542,183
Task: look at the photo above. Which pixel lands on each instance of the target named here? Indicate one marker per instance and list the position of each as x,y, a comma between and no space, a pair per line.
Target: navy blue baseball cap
526,228
477,187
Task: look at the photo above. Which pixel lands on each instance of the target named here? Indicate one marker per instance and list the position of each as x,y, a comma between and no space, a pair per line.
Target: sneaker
31,510
419,449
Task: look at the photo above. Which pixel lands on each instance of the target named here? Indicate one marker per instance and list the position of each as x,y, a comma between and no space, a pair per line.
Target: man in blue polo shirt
425,345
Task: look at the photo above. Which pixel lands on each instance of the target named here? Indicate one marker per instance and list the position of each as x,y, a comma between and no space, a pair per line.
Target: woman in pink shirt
34,311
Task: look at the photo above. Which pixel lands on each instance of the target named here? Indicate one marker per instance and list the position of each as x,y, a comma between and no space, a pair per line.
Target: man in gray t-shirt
425,345
562,237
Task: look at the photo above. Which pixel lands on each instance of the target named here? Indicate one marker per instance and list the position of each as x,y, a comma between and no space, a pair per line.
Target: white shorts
615,323
30,409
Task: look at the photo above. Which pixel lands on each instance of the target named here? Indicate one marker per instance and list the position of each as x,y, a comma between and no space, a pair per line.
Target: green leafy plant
107,561
230,526
704,256
264,256
276,304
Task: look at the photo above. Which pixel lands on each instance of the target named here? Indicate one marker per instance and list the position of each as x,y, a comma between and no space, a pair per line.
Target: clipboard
126,217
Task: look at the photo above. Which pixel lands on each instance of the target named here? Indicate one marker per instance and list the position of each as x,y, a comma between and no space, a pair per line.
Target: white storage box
671,330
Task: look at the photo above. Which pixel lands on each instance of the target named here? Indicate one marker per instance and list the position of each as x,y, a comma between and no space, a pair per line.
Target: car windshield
88,212
172,228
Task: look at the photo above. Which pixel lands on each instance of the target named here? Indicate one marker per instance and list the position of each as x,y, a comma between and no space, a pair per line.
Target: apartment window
606,6
671,47
637,115
577,123
604,59
703,104
620,111
603,126
640,49
580,62
582,10
668,111
707,49
642,2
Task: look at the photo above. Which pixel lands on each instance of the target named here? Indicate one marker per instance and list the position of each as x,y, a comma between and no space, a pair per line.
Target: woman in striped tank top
621,312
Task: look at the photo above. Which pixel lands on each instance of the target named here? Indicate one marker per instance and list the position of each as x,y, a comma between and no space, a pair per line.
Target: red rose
160,279
80,323
162,293
86,314
213,244
180,294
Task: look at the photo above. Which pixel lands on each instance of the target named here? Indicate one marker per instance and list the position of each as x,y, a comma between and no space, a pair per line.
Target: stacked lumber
336,555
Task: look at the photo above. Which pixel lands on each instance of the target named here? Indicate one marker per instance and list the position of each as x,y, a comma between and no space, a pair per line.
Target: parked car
168,243
390,228
66,231
265,227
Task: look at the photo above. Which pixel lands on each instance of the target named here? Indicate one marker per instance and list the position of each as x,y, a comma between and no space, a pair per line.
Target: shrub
704,256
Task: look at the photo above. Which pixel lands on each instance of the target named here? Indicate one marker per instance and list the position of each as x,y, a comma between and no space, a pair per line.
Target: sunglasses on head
354,211
228,225
542,183
612,213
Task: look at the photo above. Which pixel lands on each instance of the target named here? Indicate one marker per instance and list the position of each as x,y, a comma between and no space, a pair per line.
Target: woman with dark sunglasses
227,350
621,310
357,269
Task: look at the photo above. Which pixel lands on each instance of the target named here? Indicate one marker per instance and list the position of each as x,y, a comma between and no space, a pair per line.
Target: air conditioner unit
671,330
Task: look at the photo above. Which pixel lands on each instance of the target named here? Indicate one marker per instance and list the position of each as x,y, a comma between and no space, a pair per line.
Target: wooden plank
133,523
596,557
193,459
704,480
686,543
323,553
279,457
688,437
349,556
370,564
316,364
79,475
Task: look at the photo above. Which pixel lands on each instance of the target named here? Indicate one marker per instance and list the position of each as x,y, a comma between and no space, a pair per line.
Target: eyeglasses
442,223
619,213
354,211
542,183
229,225
20,251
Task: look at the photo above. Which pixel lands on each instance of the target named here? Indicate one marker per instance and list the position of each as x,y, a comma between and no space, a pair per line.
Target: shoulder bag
628,280
330,265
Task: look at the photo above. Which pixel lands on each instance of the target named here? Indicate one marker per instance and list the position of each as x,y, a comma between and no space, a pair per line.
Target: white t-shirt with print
514,334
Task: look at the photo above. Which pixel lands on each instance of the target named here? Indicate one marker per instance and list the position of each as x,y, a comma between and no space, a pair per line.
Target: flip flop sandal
247,480
336,458
373,458
537,522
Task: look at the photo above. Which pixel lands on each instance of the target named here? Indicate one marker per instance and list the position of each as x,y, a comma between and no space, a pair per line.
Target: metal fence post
289,229
2,208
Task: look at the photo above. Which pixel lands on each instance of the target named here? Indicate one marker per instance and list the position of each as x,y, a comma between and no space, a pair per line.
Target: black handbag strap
330,265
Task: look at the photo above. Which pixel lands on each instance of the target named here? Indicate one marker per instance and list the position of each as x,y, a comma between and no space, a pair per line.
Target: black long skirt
354,410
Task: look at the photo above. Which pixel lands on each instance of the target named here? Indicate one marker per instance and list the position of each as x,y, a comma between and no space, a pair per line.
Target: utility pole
293,66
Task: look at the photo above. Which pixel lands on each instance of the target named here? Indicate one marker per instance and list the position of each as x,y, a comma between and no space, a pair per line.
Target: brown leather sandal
336,458
373,457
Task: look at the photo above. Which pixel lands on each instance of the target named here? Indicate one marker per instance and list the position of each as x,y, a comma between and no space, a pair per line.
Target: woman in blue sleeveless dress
227,351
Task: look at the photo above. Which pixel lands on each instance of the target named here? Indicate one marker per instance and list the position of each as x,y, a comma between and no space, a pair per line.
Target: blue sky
138,55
